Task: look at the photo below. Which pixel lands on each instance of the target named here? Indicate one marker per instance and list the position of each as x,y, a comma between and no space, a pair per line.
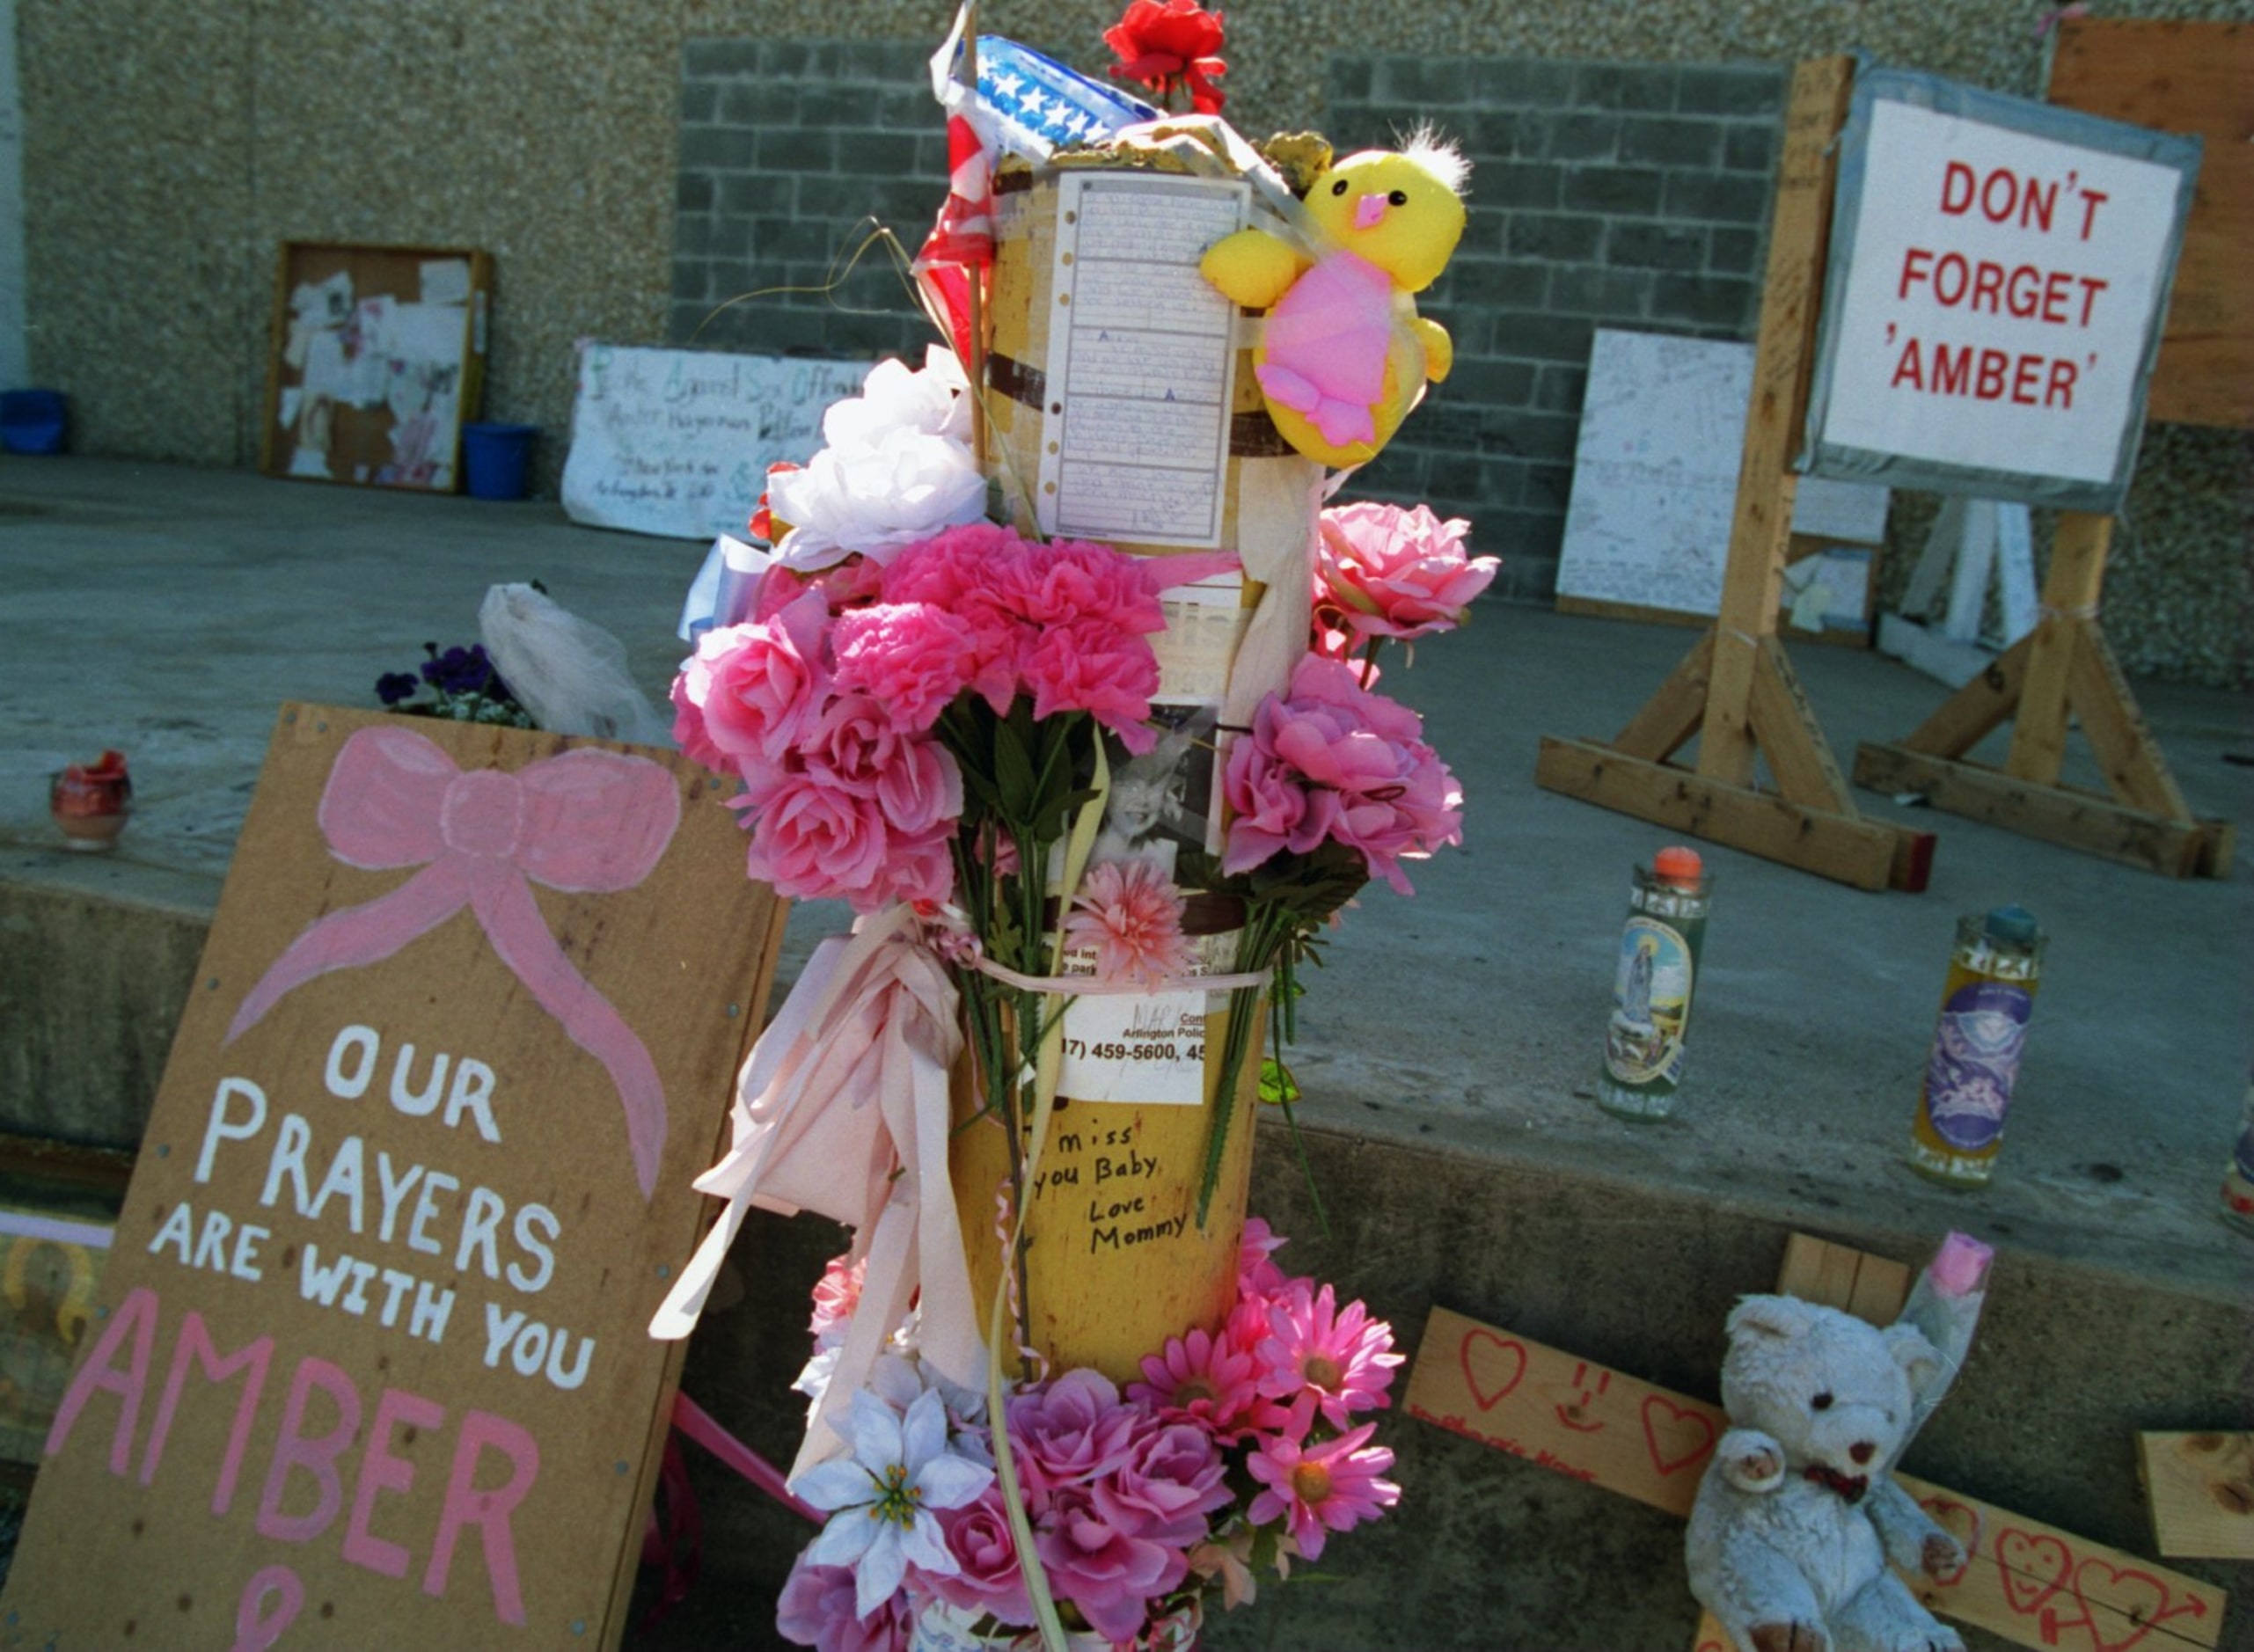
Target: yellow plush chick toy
1345,355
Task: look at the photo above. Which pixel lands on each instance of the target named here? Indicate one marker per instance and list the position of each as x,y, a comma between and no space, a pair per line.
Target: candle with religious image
1977,1044
1651,990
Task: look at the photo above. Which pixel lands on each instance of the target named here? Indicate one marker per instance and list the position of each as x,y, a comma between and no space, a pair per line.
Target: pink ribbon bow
842,1109
587,822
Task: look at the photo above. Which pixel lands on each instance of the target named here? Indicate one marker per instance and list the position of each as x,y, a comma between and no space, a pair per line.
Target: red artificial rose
1167,45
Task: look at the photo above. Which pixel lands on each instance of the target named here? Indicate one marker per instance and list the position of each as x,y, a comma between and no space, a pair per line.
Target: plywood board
2195,78
1655,477
2032,1583
371,1350
378,361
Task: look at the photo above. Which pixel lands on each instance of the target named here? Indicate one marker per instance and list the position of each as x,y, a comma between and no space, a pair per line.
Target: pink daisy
1201,1378
1344,1360
1128,911
1319,1489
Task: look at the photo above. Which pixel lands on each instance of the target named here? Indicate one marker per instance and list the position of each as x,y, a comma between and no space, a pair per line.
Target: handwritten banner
367,1358
2032,1583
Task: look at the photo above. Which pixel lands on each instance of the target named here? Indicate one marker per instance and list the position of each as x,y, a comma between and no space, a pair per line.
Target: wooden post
1736,689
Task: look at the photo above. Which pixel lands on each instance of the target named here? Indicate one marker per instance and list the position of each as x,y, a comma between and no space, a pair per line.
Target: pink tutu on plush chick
1345,355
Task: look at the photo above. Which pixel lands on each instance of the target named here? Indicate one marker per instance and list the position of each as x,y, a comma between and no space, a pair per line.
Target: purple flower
394,686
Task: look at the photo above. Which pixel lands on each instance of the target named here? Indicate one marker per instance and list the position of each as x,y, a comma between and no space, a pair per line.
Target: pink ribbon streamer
842,1109
587,822
692,1422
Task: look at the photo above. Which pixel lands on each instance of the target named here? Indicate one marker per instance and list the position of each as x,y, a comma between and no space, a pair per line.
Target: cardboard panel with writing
370,1354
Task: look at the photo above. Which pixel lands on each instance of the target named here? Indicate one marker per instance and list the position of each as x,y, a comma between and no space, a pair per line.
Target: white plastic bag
571,675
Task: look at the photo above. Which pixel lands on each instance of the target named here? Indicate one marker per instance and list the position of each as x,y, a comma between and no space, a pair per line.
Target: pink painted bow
587,822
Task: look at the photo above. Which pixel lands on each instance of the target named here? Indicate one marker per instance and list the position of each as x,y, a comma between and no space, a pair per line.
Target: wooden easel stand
1736,689
2063,668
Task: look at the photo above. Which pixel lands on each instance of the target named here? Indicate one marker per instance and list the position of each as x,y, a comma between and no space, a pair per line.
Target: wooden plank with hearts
2031,1583
1569,1415
2038,1586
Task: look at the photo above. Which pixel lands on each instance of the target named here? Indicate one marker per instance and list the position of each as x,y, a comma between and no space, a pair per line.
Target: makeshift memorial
460,685
1659,953
89,802
1978,1039
1094,777
1798,1515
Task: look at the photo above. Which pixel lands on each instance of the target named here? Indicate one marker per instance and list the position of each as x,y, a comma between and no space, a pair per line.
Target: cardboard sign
2032,1583
1999,274
677,442
368,1362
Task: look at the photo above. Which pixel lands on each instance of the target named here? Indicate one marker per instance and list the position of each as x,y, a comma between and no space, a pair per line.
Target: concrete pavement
1448,1049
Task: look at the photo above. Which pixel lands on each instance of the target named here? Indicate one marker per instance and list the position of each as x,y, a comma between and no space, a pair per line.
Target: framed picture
378,359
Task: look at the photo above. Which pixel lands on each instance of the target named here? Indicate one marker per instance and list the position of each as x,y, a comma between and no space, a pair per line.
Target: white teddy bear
1797,1516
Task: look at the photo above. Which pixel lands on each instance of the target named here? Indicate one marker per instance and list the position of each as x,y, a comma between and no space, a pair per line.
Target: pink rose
1171,1481
815,1609
1333,761
1109,1571
1382,571
818,841
852,583
760,686
912,657
920,870
689,731
1069,1431
988,1578
921,790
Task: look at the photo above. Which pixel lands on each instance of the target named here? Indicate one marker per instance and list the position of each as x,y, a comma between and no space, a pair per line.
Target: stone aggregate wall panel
170,149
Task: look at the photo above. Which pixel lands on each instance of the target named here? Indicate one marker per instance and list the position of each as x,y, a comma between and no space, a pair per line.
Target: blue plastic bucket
32,421
497,460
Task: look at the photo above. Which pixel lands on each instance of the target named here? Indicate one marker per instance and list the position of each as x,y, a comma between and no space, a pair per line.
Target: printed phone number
1081,1050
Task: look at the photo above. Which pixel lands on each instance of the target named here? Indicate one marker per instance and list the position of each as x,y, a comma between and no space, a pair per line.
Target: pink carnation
759,687
1334,762
815,1609
1319,1489
1090,665
1257,1273
836,1294
1129,913
912,658
1342,1358
1382,571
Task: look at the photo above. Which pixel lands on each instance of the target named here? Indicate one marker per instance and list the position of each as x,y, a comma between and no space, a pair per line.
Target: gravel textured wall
169,148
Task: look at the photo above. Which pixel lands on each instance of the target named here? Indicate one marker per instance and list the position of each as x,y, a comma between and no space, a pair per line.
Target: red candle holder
89,802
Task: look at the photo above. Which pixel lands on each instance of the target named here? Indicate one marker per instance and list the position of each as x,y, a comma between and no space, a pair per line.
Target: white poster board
1655,475
677,442
1999,274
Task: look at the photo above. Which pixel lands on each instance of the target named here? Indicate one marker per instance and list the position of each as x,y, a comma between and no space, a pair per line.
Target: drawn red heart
2140,1598
1962,1522
1679,1427
1505,1349
2033,1568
